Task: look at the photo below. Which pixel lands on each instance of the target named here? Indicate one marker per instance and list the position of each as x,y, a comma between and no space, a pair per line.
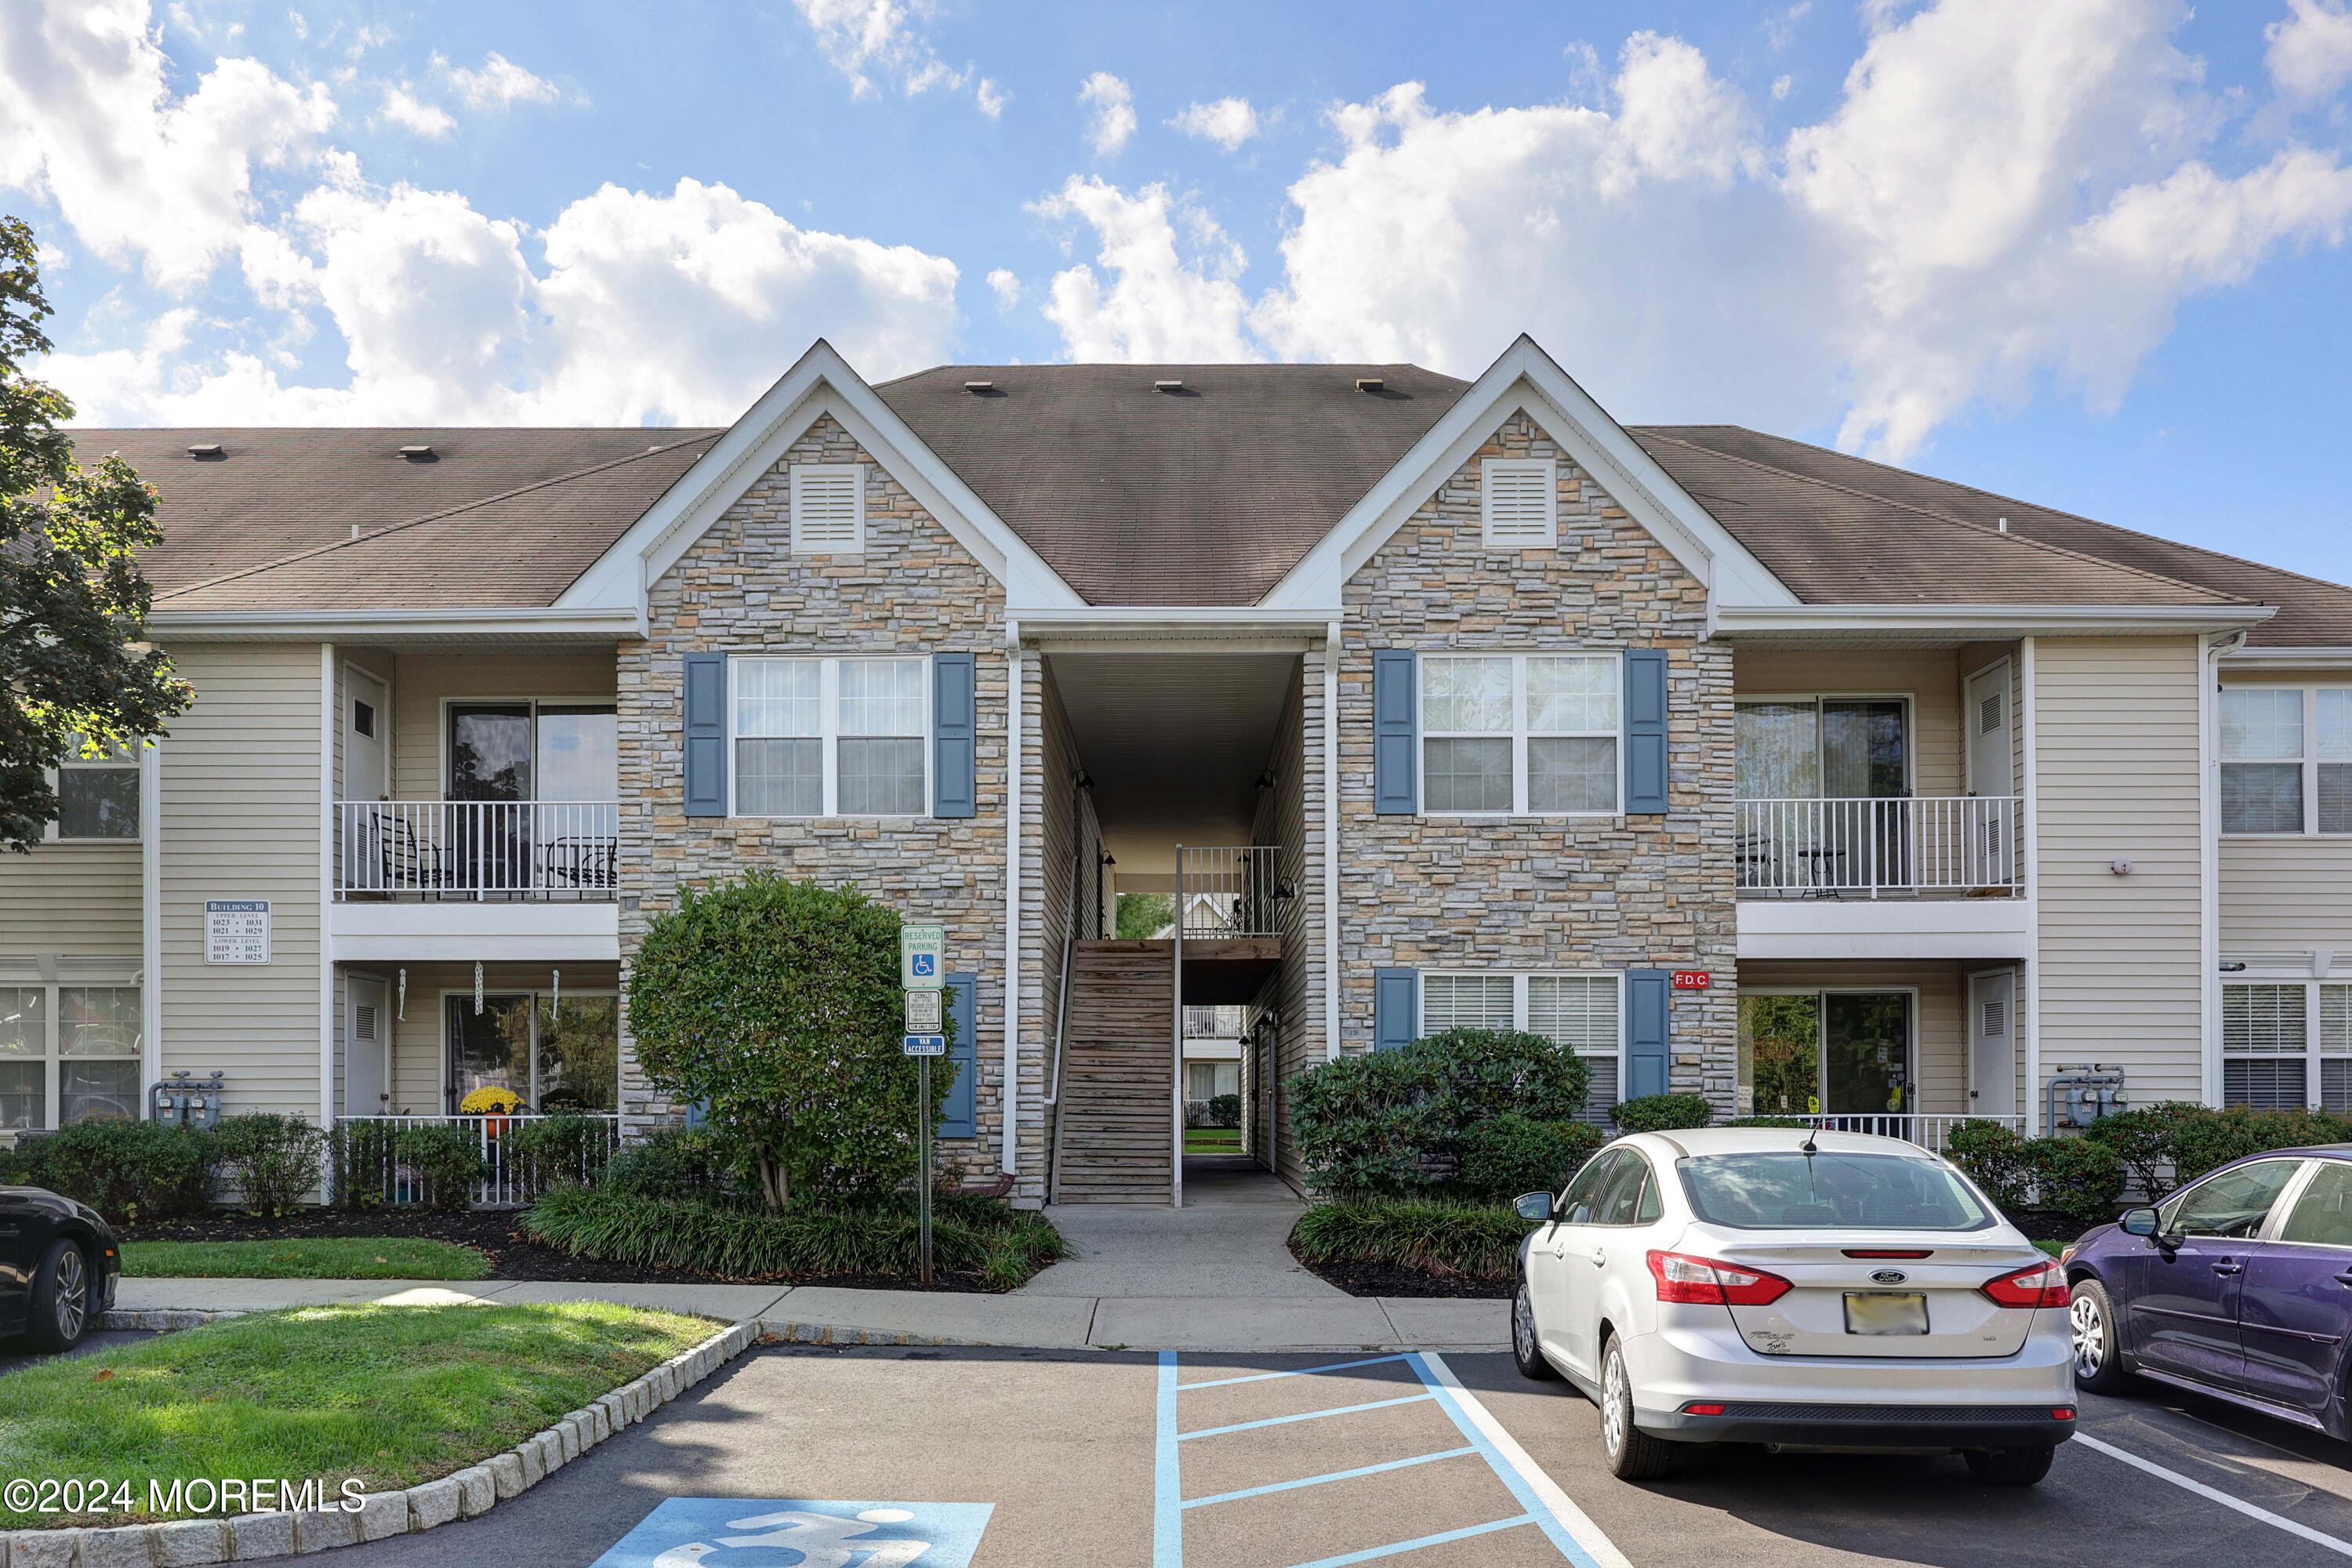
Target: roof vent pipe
1167,386
2002,525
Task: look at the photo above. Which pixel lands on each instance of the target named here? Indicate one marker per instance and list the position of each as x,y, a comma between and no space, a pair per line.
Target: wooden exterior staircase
1116,1121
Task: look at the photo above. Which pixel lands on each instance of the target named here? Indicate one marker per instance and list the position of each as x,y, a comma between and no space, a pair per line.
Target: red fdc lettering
1691,979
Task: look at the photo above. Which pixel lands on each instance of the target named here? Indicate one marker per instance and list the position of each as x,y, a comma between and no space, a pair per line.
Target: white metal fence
374,1154
1927,1131
1840,847
472,848
1230,890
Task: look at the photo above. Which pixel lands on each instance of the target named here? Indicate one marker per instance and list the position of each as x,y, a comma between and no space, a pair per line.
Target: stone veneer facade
1535,893
741,589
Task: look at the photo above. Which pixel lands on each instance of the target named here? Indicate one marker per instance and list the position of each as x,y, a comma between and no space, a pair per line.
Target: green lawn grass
392,1395
1212,1140
307,1257
2052,1247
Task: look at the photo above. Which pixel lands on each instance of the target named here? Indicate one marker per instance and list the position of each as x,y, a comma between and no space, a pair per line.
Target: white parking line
1558,1503
2293,1527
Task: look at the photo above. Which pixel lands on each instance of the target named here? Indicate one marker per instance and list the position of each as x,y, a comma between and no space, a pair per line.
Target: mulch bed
1388,1279
498,1234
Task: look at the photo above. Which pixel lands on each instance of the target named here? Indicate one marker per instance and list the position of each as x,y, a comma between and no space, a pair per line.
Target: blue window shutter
1396,768
959,1117
706,734
1646,730
1646,991
1396,1007
955,721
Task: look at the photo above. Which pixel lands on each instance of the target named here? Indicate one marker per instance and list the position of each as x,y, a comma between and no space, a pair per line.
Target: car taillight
2035,1284
1710,1282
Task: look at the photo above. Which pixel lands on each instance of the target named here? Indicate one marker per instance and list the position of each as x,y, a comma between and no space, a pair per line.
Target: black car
58,1263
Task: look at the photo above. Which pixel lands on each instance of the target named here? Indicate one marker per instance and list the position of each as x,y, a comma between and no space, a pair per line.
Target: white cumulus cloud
2310,54
1228,123
886,40
499,83
1158,303
1111,117
403,107
1006,287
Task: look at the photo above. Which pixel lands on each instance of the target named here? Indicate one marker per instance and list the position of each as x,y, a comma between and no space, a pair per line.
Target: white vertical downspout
151,913
1331,841
2030,701
1015,776
326,716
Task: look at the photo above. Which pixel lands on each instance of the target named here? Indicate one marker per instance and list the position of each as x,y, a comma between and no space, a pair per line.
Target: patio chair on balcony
585,863
405,863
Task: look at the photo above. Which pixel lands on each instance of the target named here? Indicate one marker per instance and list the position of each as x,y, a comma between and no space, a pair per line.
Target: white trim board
821,382
1528,380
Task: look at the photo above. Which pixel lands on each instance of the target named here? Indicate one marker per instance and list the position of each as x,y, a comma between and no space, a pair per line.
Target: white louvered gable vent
1518,504
828,508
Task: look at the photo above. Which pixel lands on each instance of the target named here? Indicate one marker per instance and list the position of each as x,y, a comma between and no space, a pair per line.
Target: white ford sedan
1767,1285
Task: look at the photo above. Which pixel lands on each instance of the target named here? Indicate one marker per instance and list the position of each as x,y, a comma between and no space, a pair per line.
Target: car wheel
60,1305
1633,1455
1524,1347
2009,1466
2098,1357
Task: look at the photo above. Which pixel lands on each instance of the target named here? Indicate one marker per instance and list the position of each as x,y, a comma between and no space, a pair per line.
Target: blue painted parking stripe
1168,1493
1330,1475
1295,1372
1304,1415
1554,1530
1371,1552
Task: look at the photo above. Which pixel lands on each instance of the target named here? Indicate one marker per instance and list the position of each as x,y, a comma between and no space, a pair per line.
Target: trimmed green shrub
1431,1235
1513,1155
273,1159
2079,1178
1225,1110
361,1161
1397,1121
554,1150
2142,1140
668,1162
1662,1113
1993,1156
131,1172
776,1004
870,1235
449,1157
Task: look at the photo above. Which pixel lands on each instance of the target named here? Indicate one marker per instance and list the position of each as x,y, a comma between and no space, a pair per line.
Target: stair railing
1085,840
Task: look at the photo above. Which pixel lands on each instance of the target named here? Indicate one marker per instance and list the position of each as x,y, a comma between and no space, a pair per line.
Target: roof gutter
538,623
2338,658
1762,622
1170,623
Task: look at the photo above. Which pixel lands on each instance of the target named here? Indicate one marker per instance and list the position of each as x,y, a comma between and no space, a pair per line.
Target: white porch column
1331,841
2031,866
328,715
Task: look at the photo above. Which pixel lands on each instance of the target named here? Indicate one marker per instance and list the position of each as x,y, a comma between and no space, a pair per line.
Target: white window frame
1519,979
802,471
1549,468
829,733
2310,759
52,1059
1909,699
1519,736
2315,1051
53,831
535,996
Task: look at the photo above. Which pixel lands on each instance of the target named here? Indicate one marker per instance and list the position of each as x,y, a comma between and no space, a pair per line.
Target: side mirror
1535,1207
2138,1222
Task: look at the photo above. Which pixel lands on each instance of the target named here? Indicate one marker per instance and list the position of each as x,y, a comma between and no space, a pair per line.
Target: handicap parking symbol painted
796,1532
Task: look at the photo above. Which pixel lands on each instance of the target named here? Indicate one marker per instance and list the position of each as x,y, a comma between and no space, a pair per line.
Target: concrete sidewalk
831,1314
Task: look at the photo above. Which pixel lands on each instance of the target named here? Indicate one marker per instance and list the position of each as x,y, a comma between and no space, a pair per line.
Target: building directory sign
236,931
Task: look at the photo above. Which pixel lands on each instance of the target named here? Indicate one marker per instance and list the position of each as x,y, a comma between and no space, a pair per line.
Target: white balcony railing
1927,1131
374,1154
476,848
1951,845
1230,890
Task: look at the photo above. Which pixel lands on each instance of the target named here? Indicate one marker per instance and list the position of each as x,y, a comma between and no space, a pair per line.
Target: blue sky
2090,254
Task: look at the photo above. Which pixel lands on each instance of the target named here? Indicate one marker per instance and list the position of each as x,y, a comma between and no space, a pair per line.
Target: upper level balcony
1952,847
498,851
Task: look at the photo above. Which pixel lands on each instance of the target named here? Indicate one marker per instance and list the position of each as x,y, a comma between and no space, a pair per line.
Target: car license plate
1885,1312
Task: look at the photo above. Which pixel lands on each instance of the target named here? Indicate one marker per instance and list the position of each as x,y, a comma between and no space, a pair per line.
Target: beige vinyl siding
1940,1045
418,1052
69,898
240,820
424,683
2118,766
2288,895
1930,677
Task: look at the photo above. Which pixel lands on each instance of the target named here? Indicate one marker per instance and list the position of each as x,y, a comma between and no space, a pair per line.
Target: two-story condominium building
1735,765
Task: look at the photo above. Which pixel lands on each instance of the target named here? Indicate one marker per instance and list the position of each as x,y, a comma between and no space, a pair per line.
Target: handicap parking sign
796,1532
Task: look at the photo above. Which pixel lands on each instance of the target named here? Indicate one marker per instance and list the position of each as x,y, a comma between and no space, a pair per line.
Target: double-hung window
68,1053
831,737
2287,1044
1525,734
1582,1013
2287,759
97,798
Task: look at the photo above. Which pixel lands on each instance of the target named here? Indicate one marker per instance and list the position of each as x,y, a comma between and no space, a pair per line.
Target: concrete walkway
1212,1275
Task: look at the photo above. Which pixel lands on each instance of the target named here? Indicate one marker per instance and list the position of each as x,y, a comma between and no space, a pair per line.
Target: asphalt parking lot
14,1351
1237,1461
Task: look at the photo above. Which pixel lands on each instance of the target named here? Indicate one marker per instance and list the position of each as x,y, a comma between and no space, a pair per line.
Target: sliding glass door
1823,785
1837,1053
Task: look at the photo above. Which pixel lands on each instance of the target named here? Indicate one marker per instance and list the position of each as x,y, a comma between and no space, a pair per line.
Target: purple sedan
2239,1286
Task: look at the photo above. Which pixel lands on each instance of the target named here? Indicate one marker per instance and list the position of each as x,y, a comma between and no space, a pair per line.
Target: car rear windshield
1791,1190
